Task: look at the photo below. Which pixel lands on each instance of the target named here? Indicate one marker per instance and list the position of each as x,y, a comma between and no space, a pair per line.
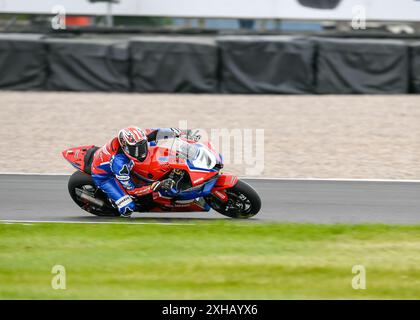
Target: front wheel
243,202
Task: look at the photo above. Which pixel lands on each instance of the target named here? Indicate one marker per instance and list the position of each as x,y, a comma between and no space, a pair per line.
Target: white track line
22,223
93,222
248,178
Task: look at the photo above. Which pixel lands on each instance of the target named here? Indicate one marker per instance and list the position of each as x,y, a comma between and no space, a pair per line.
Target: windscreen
198,155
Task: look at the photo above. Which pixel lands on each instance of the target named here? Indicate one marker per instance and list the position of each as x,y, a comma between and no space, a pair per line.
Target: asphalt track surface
45,198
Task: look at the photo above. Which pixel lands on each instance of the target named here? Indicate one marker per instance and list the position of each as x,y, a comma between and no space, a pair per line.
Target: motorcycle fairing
192,193
224,182
76,156
159,162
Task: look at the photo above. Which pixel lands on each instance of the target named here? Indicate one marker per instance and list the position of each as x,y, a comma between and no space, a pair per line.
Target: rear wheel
82,186
243,203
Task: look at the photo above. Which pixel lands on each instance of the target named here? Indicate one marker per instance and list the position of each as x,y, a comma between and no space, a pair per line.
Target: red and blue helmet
133,142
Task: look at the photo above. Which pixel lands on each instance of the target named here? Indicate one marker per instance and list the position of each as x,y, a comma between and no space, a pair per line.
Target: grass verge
209,260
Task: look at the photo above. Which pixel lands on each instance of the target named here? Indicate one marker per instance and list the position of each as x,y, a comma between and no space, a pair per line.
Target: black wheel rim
238,203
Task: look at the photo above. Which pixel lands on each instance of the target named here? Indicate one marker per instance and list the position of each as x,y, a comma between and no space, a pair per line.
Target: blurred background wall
236,46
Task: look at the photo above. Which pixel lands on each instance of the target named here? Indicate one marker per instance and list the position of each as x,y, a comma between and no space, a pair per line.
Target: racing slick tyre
90,198
243,203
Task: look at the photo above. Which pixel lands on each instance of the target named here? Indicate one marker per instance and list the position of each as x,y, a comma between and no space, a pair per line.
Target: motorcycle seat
89,159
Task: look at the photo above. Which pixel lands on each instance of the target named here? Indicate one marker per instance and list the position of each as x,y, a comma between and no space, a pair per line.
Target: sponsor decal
123,201
184,201
221,195
140,192
198,180
122,178
178,205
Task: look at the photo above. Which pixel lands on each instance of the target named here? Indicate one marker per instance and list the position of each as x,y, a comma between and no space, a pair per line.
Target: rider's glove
167,184
191,135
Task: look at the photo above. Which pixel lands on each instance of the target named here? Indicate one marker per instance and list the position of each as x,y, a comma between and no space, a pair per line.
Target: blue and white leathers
111,173
111,170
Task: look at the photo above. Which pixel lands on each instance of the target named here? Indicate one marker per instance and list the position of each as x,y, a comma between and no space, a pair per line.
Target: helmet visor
138,151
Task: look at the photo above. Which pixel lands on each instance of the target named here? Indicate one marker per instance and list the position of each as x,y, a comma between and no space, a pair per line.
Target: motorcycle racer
196,182
113,163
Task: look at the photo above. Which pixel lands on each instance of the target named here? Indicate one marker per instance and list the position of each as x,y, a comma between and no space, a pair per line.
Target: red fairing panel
76,156
225,181
199,177
158,163
152,167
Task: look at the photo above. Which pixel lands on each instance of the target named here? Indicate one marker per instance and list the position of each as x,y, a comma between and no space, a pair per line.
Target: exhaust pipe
84,196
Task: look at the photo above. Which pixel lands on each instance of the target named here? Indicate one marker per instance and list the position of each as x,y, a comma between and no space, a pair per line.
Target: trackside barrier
23,62
207,64
174,64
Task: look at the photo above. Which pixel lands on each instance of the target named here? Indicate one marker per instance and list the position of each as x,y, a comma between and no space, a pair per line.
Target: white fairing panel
198,154
205,159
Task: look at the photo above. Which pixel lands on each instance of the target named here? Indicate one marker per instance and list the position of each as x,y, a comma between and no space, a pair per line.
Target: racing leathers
111,169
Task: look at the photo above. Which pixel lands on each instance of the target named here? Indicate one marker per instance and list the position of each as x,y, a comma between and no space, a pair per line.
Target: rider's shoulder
111,147
120,161
114,145
121,158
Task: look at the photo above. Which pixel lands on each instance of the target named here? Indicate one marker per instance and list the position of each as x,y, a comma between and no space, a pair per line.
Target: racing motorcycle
196,167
